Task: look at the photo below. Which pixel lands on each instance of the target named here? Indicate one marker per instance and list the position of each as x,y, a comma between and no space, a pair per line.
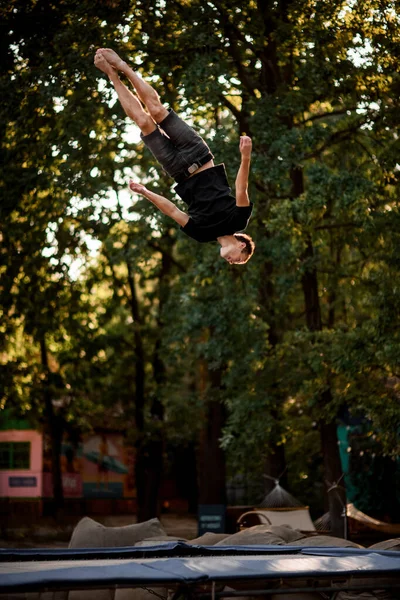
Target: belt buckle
193,168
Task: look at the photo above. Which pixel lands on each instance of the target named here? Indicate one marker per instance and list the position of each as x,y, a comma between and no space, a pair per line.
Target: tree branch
338,111
335,138
336,226
225,19
239,115
156,247
231,32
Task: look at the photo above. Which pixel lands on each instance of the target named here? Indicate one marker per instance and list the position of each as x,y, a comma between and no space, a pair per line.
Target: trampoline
201,571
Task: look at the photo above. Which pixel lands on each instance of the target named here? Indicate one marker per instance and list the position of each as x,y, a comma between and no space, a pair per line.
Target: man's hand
137,187
245,146
166,206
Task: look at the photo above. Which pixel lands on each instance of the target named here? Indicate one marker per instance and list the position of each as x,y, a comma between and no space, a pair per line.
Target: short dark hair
248,250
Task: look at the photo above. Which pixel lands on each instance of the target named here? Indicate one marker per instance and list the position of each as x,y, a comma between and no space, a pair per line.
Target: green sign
212,518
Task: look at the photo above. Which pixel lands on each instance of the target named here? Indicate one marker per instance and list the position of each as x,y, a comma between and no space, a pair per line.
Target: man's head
239,250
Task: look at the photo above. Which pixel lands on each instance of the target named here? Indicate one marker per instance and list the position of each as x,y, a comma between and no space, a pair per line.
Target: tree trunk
148,470
329,441
150,446
211,457
333,473
186,475
275,462
141,465
55,428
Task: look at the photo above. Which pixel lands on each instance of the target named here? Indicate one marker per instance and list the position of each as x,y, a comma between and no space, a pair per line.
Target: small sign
15,482
212,518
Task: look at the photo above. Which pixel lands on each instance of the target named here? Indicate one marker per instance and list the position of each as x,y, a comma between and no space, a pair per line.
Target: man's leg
144,90
176,146
129,102
159,144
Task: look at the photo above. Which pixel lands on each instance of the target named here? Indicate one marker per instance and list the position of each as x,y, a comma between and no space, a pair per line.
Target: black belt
193,168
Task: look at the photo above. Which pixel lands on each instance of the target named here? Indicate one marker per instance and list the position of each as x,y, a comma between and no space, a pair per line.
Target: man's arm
242,178
166,207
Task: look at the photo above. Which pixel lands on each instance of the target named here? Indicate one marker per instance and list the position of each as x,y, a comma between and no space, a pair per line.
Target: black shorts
177,147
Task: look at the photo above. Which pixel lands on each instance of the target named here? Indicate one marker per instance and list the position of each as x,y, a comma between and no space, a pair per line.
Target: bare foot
102,64
113,58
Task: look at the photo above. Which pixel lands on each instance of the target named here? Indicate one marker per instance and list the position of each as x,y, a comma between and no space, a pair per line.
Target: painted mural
101,466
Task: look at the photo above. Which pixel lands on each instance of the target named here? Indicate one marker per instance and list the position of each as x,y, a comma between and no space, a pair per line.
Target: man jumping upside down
213,213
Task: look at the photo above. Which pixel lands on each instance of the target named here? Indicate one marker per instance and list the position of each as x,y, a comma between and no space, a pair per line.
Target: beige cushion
257,535
159,540
209,538
287,533
298,518
91,534
393,544
325,541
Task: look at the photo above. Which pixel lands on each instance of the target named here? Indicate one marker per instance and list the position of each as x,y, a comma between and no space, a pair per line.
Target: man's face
232,253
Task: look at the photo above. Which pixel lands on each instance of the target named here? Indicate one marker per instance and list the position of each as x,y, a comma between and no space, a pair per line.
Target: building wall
23,483
99,466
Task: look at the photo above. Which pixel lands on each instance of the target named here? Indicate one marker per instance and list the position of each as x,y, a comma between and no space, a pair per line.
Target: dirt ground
48,534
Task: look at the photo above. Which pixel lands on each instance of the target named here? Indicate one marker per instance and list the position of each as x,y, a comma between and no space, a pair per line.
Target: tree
141,266
327,115
51,140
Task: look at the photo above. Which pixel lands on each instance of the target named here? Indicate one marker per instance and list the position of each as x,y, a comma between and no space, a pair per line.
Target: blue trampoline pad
327,564
74,570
